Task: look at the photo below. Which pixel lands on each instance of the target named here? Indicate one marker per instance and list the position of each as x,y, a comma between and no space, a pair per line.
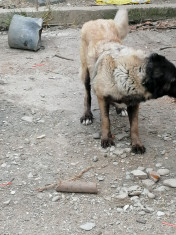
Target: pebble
151,195
56,198
154,176
27,118
7,202
147,183
87,226
163,152
161,189
170,182
122,136
95,159
30,175
134,190
160,213
141,168
100,178
3,165
127,150
12,192
140,174
125,208
148,170
119,210
118,152
142,221
96,135
163,171
158,165
123,155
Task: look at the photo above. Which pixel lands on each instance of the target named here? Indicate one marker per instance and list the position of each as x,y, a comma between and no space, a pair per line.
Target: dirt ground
43,142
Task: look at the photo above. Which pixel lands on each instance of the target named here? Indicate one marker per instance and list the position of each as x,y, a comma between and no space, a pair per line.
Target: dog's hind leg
106,139
137,147
87,117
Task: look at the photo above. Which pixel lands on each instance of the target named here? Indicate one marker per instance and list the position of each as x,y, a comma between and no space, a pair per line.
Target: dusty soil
66,3
47,102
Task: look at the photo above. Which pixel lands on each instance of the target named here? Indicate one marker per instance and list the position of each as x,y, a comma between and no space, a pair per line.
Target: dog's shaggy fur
120,75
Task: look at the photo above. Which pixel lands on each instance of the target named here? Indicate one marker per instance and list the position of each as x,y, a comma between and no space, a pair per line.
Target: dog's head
160,76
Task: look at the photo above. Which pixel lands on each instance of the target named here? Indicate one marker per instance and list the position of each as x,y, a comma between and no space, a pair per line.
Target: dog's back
95,34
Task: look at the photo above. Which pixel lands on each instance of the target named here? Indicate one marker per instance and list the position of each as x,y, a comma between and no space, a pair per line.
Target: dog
120,75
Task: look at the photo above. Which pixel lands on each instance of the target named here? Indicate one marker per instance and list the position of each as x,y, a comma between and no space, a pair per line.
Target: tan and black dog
120,75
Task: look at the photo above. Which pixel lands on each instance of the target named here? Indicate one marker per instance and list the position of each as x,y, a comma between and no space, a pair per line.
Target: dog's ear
154,68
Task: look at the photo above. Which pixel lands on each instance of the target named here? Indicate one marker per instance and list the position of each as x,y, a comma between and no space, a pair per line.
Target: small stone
154,176
140,174
118,152
95,159
115,163
163,171
41,137
30,175
12,192
119,210
148,209
88,226
56,198
151,195
160,213
123,155
118,222
121,200
27,118
158,165
170,182
3,165
100,178
127,150
161,189
141,213
105,155
147,183
148,170
141,168
163,152
96,135
142,221
112,148
122,136
7,202
134,190
125,208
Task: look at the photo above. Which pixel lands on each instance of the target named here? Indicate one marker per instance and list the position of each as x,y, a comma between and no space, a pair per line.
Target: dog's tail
121,20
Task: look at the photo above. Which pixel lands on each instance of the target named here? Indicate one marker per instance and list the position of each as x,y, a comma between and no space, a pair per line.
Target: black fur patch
130,100
160,77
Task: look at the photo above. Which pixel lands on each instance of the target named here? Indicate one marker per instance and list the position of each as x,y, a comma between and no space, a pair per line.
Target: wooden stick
77,187
163,48
80,174
62,57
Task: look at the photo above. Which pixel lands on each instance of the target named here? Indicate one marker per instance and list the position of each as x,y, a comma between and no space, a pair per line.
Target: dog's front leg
137,147
106,139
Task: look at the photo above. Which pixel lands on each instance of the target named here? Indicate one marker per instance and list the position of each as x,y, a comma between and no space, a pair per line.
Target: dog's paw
107,142
121,112
124,113
138,149
87,119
